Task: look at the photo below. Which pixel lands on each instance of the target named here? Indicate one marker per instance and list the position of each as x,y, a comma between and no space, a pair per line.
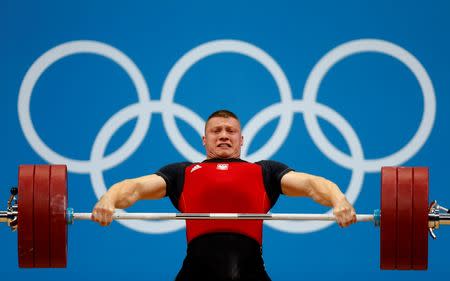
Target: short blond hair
224,113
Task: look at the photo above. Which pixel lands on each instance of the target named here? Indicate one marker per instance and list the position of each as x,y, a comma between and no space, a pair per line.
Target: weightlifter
223,183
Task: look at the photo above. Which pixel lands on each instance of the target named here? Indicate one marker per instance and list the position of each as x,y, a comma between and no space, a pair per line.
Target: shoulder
176,165
275,168
271,164
173,169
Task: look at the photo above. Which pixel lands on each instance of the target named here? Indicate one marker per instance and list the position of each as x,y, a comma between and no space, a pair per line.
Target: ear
203,140
242,140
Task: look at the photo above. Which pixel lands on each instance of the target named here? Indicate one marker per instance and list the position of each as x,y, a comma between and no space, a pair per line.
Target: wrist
338,199
108,198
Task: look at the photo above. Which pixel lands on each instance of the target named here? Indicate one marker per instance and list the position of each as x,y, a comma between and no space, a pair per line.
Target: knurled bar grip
220,216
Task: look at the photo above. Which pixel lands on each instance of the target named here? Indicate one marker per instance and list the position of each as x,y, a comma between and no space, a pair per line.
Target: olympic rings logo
285,110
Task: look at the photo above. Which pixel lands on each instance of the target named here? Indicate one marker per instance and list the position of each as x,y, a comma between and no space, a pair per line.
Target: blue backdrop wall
117,90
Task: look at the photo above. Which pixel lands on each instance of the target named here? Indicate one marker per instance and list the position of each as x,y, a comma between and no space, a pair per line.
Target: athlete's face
223,138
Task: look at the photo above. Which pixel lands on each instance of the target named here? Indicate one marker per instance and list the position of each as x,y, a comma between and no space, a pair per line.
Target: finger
103,218
347,220
97,216
340,221
353,216
107,216
351,220
94,216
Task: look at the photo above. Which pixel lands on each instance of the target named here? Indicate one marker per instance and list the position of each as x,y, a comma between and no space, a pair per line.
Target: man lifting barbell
223,183
230,247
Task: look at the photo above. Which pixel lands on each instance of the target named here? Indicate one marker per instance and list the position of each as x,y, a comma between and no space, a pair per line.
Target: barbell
39,210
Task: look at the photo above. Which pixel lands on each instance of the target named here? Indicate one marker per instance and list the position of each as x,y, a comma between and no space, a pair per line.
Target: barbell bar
38,209
216,216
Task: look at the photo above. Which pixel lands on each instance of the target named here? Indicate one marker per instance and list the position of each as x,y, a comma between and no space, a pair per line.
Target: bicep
296,184
150,187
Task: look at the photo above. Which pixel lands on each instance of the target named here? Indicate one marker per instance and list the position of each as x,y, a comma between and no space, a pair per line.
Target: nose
223,135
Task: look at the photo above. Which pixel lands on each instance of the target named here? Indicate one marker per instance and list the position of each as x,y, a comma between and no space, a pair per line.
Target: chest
223,187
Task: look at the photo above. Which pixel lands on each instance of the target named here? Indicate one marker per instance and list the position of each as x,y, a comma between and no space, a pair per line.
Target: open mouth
224,145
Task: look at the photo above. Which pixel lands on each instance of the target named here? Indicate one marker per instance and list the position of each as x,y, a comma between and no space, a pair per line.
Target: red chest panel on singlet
224,187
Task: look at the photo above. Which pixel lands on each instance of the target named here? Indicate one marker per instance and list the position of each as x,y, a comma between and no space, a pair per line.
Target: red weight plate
404,217
58,224
420,219
388,219
25,236
41,216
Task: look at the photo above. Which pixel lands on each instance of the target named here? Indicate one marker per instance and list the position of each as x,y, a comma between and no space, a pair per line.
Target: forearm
327,193
321,191
318,188
324,191
123,194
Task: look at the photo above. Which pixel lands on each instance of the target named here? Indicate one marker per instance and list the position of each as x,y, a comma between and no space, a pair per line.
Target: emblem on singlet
196,167
222,167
